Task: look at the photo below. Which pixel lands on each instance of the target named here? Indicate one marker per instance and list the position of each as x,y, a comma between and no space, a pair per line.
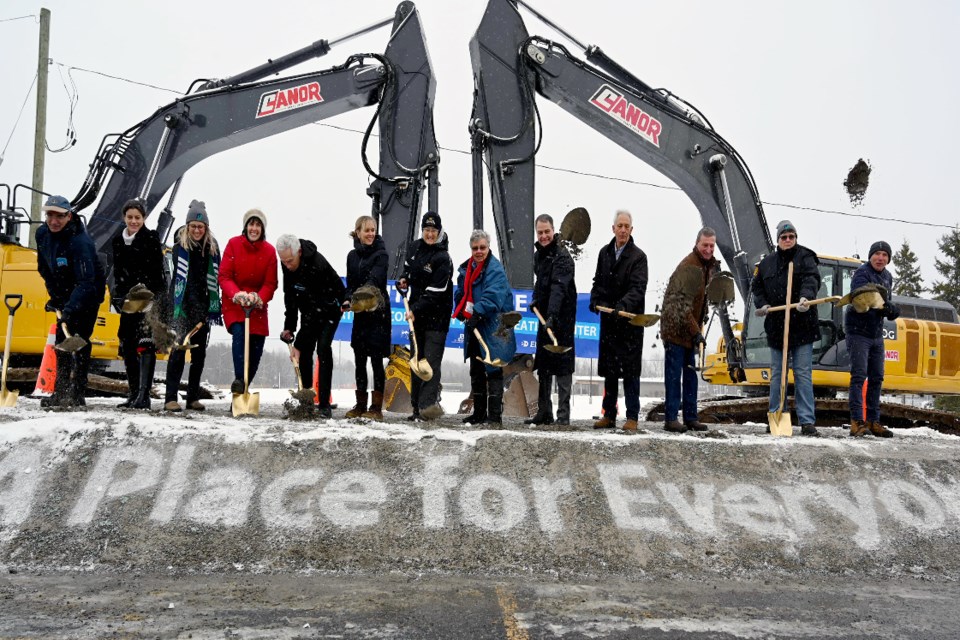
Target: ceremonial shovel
493,363
186,344
552,348
420,367
779,421
9,398
636,319
70,344
246,403
305,396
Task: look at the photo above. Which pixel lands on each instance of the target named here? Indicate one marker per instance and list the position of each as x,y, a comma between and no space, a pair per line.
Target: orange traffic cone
48,366
316,383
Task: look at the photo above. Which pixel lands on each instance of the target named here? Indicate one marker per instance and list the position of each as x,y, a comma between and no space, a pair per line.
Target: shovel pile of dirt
858,178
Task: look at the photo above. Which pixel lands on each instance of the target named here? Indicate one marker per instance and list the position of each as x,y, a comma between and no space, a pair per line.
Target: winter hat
254,213
880,245
783,226
59,204
431,219
134,203
197,213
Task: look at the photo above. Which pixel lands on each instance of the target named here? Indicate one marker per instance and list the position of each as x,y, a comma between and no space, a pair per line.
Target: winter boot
432,412
132,364
858,428
62,382
809,430
674,426
539,418
375,412
605,422
236,386
148,364
630,425
479,414
495,406
195,405
879,430
78,386
695,425
360,407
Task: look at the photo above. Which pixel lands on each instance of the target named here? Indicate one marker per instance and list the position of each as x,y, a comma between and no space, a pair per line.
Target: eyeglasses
483,248
788,236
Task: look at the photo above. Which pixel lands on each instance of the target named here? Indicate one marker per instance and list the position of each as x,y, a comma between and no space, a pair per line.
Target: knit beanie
784,226
880,245
431,219
254,213
197,213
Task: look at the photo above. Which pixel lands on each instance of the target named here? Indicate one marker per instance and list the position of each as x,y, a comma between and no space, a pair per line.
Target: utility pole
40,133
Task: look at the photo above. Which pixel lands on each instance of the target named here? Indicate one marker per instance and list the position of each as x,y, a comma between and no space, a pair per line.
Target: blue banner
586,334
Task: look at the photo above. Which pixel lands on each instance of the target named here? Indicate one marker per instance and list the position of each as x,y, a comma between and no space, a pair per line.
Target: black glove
472,322
550,323
593,308
617,309
287,336
50,307
699,340
891,311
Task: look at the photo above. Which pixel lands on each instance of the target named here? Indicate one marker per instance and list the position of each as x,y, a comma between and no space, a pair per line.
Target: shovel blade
780,424
421,369
555,348
136,306
645,319
246,404
304,396
8,398
71,344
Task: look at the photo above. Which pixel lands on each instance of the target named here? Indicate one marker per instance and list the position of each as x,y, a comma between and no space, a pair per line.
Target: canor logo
612,102
274,102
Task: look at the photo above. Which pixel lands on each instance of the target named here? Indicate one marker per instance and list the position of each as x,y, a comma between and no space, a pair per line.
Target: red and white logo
612,102
892,355
274,102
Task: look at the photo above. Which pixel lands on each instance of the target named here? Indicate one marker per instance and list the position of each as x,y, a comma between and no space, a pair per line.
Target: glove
255,299
240,298
550,323
803,306
699,340
762,311
891,311
49,306
402,285
345,306
593,308
287,336
617,309
472,322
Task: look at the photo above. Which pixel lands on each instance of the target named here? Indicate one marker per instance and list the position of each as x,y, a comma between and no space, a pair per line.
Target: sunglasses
788,236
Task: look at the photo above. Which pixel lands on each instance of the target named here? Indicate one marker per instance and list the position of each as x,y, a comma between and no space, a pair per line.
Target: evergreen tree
907,280
948,289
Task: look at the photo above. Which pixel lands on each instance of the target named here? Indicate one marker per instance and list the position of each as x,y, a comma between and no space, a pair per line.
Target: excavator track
830,412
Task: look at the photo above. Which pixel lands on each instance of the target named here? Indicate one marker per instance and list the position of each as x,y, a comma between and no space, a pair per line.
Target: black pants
379,373
177,362
431,345
321,340
545,402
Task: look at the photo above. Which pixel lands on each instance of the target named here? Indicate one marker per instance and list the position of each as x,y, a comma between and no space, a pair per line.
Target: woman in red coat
248,279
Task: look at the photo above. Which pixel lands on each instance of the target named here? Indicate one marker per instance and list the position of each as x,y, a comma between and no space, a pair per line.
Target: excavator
149,160
672,136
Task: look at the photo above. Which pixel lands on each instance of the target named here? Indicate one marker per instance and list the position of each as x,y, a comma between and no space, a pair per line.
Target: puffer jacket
620,281
555,296
769,287
870,323
248,266
683,312
429,272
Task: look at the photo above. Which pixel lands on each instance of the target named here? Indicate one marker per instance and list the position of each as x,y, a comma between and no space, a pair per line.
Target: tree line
909,282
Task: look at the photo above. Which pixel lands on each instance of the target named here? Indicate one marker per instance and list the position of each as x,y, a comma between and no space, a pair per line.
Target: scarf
180,285
128,239
465,306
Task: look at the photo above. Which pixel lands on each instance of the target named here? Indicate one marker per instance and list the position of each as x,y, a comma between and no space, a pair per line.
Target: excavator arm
151,157
654,125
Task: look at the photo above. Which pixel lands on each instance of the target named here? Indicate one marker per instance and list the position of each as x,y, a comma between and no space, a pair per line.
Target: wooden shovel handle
191,333
483,344
786,342
296,368
625,314
812,303
549,330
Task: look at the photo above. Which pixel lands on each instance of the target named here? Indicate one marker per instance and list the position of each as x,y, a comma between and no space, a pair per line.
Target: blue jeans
256,350
680,372
631,396
802,365
866,365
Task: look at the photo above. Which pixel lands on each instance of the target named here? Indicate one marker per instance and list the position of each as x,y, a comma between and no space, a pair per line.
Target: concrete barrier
106,491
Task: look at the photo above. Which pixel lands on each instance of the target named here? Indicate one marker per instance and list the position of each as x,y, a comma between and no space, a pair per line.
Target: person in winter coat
367,267
137,260
428,271
865,343
620,283
248,279
769,288
682,315
555,297
194,298
312,289
483,293
75,281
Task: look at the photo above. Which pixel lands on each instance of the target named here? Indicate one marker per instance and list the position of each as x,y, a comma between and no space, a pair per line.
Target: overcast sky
801,90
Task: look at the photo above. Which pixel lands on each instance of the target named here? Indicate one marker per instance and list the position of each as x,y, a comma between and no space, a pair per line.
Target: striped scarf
180,285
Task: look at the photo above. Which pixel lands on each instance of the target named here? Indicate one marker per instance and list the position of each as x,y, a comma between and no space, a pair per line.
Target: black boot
61,383
479,414
148,363
132,364
495,397
78,385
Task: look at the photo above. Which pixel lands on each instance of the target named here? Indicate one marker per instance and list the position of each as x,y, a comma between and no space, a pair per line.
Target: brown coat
684,308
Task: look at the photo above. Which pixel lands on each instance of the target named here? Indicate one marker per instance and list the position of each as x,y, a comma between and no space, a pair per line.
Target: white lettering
546,494
224,497
925,514
273,500
21,466
174,486
621,500
345,495
752,508
142,467
860,510
698,516
505,509
436,482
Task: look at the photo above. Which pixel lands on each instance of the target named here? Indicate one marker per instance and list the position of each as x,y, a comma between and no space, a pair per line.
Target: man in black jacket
769,288
865,343
312,289
621,284
67,262
555,297
428,272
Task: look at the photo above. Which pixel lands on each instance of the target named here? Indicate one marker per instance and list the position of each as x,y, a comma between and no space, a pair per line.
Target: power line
665,187
35,17
112,77
25,99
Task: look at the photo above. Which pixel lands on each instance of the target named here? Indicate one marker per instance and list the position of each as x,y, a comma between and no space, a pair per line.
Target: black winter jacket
429,273
555,296
367,265
623,282
68,263
870,323
139,263
769,287
314,290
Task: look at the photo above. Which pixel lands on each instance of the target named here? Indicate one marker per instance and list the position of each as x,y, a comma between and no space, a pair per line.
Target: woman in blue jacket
483,294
